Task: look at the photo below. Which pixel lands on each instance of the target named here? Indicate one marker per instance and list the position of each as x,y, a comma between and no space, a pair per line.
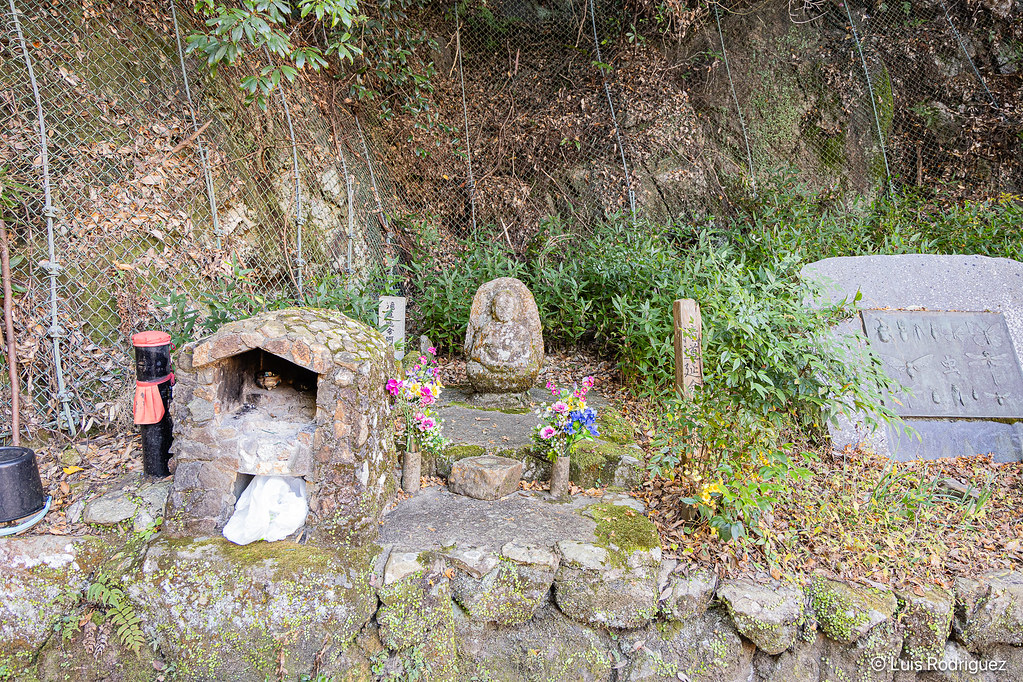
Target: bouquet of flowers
416,393
566,421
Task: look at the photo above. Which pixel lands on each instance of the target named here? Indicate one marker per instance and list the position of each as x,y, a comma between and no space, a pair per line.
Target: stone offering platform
950,330
436,518
613,459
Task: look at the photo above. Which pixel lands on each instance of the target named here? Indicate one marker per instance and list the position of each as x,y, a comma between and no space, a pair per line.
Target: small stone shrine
948,329
504,340
296,392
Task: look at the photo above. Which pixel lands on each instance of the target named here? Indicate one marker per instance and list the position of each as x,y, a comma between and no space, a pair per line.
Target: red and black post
152,399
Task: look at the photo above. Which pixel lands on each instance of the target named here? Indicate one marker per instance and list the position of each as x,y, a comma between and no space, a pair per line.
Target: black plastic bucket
21,489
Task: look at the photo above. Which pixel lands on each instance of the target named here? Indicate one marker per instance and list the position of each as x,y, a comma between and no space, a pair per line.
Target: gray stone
935,283
688,592
401,564
582,555
529,555
799,663
486,477
926,617
845,613
992,613
547,648
767,615
706,649
43,576
503,342
109,509
630,473
435,519
474,561
593,587
217,609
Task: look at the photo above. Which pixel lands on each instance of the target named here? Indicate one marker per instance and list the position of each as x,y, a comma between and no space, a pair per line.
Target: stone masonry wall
576,611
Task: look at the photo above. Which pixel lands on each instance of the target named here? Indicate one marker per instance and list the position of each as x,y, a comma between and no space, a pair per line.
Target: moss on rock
845,613
594,463
221,611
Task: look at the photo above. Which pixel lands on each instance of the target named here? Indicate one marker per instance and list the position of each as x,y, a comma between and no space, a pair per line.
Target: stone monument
948,329
504,341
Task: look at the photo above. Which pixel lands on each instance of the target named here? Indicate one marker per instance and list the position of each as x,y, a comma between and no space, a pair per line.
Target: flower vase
559,477
411,467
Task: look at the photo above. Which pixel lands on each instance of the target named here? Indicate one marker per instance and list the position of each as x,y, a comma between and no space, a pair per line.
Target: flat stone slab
953,364
436,518
494,428
965,294
487,477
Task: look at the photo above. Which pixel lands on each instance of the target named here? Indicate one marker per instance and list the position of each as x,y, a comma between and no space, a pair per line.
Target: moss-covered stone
706,649
547,648
926,618
991,613
594,462
416,620
614,427
845,613
454,453
607,587
43,579
622,530
768,615
221,611
507,595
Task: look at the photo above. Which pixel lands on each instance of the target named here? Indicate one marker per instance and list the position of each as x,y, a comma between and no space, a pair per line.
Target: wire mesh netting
498,119
165,188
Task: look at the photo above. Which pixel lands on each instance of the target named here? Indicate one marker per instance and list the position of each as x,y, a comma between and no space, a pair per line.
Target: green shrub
236,297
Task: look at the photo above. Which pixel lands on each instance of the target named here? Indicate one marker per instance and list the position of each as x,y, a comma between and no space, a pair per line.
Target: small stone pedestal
487,477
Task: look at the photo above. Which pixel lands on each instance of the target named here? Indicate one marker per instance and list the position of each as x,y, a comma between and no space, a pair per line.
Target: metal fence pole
873,97
735,98
56,332
614,117
465,118
299,262
195,126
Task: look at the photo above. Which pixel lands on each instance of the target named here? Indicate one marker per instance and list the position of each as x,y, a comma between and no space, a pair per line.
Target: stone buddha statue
503,343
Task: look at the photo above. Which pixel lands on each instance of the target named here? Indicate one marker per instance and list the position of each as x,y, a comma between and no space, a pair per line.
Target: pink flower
427,398
431,350
394,386
588,382
547,432
427,424
561,407
419,416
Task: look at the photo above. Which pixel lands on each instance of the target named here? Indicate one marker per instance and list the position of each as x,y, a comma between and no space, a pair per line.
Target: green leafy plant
266,25
106,593
734,461
234,296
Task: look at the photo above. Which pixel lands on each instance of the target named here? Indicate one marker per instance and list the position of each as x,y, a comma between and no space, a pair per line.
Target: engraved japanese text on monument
953,364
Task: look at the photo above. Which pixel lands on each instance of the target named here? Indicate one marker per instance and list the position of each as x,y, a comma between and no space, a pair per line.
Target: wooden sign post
688,346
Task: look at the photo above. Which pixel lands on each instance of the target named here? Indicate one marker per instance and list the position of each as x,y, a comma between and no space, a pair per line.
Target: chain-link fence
156,187
160,189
